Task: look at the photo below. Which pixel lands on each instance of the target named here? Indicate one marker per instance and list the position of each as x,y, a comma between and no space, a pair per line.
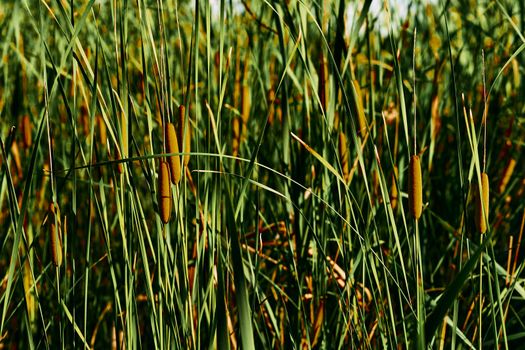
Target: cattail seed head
84,118
393,192
507,174
26,129
172,146
236,136
16,158
245,103
482,204
29,294
120,167
343,155
124,133
435,120
323,81
361,118
271,108
415,190
164,192
102,131
56,236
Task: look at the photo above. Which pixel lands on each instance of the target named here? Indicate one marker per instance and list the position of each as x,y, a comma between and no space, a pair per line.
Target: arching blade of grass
319,158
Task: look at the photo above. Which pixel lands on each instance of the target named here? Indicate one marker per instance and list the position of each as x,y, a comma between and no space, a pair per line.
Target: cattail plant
415,188
245,106
55,233
84,118
482,204
29,293
26,130
236,128
172,146
393,191
415,185
102,131
164,192
120,168
16,158
343,155
271,107
361,119
323,81
482,194
507,174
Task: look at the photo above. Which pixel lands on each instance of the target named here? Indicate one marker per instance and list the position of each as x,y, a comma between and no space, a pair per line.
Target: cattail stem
185,134
414,73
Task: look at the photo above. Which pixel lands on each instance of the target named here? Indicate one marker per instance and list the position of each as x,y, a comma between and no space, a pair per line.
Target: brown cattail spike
84,118
16,158
172,146
29,293
507,174
26,128
120,167
165,192
245,104
323,81
482,204
415,190
236,135
55,232
102,131
393,192
185,134
360,110
271,108
343,155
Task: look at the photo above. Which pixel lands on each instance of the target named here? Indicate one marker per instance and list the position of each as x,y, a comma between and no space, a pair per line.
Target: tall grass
290,224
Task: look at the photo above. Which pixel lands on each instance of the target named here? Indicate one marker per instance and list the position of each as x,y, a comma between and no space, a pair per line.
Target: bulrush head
172,146
55,233
482,204
415,190
164,192
343,155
